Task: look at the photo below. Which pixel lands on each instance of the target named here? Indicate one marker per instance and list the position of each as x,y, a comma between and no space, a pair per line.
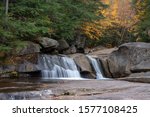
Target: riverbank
79,89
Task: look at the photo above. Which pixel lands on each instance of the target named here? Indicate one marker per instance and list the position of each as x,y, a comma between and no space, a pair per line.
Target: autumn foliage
115,28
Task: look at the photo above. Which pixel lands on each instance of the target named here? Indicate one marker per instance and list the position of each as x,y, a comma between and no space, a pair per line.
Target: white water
97,67
58,67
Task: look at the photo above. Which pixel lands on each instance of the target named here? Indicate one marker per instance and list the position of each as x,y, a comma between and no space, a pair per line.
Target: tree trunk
6,7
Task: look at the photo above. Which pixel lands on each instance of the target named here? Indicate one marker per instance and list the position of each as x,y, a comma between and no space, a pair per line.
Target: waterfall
58,67
97,67
62,67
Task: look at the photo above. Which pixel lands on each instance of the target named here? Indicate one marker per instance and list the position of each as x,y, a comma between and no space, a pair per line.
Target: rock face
19,64
129,58
63,45
72,50
84,65
7,70
27,48
105,67
27,67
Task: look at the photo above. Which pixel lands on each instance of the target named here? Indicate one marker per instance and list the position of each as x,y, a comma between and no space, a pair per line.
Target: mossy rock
25,47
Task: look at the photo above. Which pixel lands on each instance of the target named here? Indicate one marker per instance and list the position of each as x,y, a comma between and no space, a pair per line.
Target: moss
11,74
19,45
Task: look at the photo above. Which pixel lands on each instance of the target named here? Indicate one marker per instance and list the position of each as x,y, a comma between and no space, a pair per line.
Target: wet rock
84,65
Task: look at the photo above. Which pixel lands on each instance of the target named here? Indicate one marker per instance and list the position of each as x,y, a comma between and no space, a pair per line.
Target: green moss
12,74
18,45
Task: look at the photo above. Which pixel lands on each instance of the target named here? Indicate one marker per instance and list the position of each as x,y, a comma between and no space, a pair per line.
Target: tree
69,16
29,19
115,28
24,21
6,7
142,13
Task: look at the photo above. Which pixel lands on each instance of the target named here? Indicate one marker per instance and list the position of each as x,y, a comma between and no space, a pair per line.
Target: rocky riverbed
79,89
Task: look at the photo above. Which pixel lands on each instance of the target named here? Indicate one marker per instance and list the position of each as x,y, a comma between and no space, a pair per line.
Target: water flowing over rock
97,67
57,67
84,65
82,62
77,66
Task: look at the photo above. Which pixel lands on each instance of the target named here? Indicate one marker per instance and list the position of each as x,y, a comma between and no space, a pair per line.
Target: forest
101,22
74,49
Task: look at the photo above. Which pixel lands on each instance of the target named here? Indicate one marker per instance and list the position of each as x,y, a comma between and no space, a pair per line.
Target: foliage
107,22
26,20
142,13
29,19
115,28
68,16
4,48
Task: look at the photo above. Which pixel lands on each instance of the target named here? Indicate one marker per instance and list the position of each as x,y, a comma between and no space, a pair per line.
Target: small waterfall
97,67
58,67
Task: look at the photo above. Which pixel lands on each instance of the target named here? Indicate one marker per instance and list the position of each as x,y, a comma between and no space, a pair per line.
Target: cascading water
58,67
97,67
62,67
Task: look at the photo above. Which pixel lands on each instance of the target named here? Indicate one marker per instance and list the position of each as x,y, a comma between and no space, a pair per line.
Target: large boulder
63,45
47,44
84,65
27,47
129,58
